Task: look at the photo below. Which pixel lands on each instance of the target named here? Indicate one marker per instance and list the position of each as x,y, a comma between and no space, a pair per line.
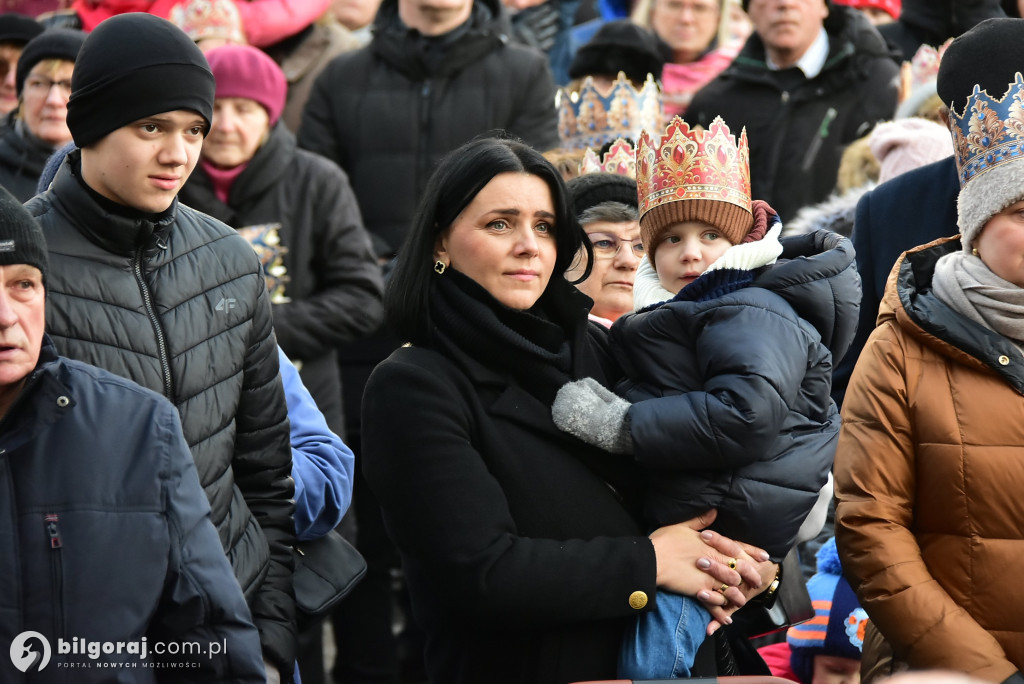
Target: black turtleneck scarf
534,347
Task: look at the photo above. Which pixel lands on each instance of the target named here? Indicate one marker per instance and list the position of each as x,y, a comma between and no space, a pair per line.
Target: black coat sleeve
346,302
202,601
262,465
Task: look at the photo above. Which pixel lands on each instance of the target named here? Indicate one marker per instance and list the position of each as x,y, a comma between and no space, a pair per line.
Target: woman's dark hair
457,180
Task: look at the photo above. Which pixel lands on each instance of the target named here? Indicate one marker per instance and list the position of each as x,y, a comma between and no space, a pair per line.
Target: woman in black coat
521,545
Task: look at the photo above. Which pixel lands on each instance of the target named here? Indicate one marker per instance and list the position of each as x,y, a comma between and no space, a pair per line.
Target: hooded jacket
105,535
22,158
179,305
928,473
798,134
731,395
931,22
388,112
334,284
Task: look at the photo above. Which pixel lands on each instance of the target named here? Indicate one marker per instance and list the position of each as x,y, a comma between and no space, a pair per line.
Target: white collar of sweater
746,256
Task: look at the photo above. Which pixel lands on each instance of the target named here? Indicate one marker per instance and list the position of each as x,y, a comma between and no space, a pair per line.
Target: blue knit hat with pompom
837,628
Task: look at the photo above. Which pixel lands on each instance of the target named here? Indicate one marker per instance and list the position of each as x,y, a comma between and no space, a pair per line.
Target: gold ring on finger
722,588
733,563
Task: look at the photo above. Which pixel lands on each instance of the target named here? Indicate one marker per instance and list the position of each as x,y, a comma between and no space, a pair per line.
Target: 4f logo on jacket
224,305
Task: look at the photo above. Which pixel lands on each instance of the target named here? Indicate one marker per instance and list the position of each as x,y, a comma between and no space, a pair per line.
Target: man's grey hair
610,212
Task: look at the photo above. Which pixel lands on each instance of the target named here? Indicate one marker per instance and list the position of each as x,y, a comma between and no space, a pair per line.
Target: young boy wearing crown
728,361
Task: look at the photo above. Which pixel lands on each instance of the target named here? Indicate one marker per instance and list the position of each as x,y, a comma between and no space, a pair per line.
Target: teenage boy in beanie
136,493
173,299
728,361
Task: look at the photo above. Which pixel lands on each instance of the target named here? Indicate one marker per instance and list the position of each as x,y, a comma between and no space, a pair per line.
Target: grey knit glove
588,410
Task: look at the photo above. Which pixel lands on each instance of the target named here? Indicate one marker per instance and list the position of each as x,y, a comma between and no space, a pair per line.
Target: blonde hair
566,162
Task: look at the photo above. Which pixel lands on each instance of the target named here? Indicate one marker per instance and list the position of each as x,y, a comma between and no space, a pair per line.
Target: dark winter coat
798,134
518,541
105,534
22,159
910,210
180,306
931,22
928,479
731,395
334,284
388,112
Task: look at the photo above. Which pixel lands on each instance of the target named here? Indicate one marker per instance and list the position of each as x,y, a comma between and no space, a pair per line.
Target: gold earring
439,267
974,251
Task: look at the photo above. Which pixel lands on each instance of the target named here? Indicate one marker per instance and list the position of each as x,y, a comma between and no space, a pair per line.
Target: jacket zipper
56,571
161,342
424,158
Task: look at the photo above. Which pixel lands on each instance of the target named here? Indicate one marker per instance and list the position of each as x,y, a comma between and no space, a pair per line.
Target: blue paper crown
590,119
989,132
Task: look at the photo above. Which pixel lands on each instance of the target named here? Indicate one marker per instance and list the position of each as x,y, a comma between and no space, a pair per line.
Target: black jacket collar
120,230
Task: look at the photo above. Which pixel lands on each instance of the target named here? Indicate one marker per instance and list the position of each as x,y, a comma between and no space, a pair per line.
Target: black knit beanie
592,189
132,66
53,44
618,46
18,28
21,237
989,55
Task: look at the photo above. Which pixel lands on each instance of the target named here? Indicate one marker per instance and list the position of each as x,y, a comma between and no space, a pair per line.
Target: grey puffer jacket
731,406
179,305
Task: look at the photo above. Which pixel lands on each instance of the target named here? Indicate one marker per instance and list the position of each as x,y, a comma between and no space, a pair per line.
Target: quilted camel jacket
929,470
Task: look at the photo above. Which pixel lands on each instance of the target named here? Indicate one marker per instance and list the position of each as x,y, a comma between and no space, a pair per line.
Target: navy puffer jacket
731,406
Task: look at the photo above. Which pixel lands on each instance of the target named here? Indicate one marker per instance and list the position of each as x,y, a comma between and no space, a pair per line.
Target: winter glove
588,410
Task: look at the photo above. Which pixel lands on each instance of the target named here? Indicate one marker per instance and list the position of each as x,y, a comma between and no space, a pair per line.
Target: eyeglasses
41,85
606,245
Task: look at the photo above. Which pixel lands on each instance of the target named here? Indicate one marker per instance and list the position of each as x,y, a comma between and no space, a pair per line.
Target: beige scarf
964,283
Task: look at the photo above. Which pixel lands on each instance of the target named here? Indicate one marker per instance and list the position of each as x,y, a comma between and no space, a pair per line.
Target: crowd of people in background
623,338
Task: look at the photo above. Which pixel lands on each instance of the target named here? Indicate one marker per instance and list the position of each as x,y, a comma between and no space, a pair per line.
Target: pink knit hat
245,71
905,144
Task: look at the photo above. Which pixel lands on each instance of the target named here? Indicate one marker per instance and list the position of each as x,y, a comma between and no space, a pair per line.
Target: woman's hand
721,573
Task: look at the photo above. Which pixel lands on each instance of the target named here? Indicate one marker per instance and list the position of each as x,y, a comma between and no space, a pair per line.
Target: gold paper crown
695,165
989,132
620,158
589,119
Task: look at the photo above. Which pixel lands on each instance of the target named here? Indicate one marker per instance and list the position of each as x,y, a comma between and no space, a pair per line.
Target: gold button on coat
1004,360
638,600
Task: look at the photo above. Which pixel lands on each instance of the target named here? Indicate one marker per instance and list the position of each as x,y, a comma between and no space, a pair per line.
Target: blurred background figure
15,31
619,45
918,93
878,12
210,23
357,16
698,45
932,22
892,148
38,126
811,79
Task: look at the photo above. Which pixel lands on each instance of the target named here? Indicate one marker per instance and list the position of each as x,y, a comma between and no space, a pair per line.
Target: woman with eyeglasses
38,126
605,205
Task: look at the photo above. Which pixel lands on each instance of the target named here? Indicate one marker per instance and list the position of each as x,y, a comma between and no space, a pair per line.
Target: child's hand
588,410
